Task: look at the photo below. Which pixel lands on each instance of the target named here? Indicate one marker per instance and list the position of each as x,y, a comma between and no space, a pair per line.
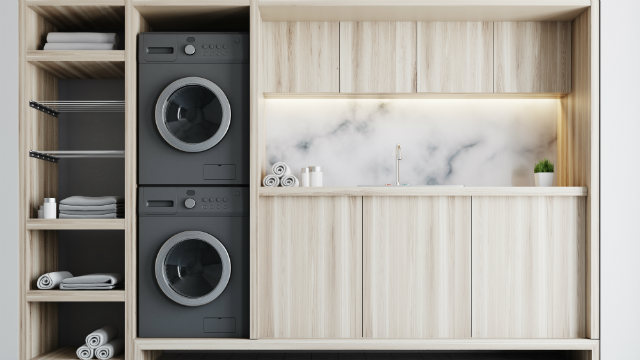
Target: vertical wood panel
377,56
455,57
528,257
310,267
301,56
417,267
532,57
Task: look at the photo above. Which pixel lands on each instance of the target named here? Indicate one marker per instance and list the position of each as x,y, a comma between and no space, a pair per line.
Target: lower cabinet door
309,267
528,267
417,267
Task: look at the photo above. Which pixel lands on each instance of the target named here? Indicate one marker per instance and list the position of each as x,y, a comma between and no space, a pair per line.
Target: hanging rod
56,107
54,156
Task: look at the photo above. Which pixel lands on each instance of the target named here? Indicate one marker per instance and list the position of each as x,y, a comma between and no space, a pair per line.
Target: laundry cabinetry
309,270
417,267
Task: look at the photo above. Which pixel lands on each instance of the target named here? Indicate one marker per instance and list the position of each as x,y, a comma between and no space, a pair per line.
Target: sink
408,185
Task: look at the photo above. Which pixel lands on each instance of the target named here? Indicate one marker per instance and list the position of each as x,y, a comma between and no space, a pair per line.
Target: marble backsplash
474,142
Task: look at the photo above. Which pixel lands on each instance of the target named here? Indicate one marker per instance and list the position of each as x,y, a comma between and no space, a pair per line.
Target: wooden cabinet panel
301,56
455,57
532,57
528,267
377,56
310,267
417,267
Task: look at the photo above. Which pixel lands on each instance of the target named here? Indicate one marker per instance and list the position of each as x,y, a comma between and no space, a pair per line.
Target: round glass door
193,114
192,268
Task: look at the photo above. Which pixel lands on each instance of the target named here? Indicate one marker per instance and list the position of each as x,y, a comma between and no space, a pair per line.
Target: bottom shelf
66,353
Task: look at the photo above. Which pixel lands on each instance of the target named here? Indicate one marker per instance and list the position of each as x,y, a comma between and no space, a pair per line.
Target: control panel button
189,49
189,203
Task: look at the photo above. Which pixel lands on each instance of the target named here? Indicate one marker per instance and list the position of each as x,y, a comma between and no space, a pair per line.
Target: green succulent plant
543,166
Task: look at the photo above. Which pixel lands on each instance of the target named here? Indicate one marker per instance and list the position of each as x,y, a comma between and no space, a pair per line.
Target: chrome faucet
398,158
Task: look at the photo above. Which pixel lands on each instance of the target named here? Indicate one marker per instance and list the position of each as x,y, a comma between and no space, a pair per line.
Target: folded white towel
81,37
91,212
92,282
79,46
91,200
271,181
113,207
110,349
52,280
280,169
289,181
101,336
89,216
84,352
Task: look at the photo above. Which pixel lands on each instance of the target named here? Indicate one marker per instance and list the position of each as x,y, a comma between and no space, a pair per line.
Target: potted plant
543,173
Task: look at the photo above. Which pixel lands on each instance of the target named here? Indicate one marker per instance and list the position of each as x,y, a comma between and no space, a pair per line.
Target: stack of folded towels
102,344
81,41
280,176
66,281
87,207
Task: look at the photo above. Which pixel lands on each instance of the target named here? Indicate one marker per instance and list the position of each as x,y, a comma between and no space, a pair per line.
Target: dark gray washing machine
193,262
193,108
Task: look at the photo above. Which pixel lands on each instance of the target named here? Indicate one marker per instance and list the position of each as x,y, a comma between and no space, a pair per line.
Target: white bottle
50,208
315,174
304,177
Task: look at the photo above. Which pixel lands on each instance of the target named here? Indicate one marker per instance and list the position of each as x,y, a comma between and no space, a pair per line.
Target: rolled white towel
271,181
289,181
52,280
84,352
110,349
280,169
101,336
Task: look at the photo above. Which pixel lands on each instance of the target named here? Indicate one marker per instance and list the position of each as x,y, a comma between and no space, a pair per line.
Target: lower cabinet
528,267
310,267
417,267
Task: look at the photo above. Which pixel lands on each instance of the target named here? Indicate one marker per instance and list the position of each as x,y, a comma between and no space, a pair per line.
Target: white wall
9,182
620,203
620,179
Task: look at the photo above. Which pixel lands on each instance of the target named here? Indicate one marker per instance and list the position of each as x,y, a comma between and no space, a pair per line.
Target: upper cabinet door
528,267
301,57
377,57
532,57
417,267
455,57
309,269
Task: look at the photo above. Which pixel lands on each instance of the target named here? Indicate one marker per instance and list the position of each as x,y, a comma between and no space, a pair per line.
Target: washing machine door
193,114
192,268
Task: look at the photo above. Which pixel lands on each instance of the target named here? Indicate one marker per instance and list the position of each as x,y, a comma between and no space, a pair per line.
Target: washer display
193,276
193,109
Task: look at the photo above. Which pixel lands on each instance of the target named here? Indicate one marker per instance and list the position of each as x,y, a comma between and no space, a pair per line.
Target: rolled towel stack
88,207
101,343
92,282
52,280
280,176
81,41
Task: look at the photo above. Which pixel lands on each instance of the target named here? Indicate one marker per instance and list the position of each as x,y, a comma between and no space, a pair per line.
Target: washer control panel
198,200
204,48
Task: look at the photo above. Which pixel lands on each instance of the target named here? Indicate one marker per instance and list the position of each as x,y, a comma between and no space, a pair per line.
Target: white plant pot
544,178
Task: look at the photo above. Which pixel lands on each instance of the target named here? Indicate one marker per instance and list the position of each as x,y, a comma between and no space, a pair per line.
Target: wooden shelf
75,296
81,15
365,344
194,15
434,10
66,353
423,191
75,224
80,64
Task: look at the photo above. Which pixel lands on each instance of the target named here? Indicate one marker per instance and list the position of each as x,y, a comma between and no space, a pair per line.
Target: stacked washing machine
193,176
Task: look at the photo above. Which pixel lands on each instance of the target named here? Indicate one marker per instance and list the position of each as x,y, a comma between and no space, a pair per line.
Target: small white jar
50,208
315,176
305,177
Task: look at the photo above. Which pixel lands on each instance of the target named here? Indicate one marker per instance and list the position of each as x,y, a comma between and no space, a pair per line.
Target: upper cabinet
455,57
301,57
532,57
378,57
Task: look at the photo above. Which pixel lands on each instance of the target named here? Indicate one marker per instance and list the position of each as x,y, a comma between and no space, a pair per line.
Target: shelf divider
75,296
75,224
